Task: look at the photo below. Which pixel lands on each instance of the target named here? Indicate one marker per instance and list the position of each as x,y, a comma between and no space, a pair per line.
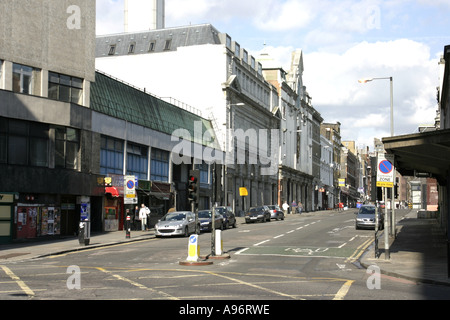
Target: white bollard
219,244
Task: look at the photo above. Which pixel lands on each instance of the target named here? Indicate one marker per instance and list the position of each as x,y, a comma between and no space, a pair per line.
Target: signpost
385,179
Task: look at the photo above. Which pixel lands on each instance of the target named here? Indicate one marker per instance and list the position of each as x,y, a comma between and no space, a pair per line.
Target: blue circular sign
385,167
130,184
193,239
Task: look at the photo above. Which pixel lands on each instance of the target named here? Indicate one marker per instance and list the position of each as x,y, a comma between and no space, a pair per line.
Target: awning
427,152
113,191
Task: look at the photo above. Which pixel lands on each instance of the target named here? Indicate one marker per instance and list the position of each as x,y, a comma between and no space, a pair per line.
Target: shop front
6,217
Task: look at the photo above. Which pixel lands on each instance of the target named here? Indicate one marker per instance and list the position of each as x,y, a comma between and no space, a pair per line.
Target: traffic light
193,189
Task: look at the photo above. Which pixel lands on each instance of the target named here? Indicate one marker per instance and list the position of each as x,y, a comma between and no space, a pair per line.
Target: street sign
385,171
130,190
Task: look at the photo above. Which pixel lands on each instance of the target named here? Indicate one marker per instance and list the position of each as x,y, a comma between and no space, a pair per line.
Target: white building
207,69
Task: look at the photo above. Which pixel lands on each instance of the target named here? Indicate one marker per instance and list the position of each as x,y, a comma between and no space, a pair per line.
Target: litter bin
84,232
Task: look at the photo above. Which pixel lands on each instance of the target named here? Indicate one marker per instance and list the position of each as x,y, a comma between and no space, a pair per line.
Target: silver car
180,223
365,218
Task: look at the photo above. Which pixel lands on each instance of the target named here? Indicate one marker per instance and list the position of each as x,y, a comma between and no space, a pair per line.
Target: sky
342,41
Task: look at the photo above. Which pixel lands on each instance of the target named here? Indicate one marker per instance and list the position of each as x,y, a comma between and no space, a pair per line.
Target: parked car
365,217
179,223
205,220
260,213
229,219
276,212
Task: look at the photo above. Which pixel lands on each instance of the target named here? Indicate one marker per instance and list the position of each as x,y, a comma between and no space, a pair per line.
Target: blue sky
342,41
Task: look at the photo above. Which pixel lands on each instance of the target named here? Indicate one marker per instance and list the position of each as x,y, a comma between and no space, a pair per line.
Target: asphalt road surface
305,257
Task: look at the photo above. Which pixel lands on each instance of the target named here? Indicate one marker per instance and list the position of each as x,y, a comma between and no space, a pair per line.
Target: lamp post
390,225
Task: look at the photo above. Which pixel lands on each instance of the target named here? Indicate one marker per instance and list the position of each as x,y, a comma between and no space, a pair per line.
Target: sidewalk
419,253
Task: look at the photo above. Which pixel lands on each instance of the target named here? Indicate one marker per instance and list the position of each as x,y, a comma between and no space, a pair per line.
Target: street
305,257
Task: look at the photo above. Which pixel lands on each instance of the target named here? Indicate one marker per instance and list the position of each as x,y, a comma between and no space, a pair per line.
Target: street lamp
391,223
365,80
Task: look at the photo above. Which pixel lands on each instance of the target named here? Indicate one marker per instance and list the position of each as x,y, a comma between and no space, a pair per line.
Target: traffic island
196,263
216,257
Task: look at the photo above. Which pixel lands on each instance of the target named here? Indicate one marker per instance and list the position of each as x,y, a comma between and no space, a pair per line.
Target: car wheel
186,232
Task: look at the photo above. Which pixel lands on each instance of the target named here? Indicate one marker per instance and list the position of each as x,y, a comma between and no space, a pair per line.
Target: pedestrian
285,207
294,207
143,217
300,208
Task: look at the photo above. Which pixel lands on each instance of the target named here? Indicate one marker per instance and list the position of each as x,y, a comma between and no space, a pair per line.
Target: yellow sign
341,182
243,192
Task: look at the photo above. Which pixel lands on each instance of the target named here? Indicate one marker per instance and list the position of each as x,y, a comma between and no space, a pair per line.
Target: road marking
281,235
257,244
253,285
242,250
359,251
19,282
136,284
340,295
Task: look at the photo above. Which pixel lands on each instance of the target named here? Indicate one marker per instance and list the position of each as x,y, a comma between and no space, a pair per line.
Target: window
23,143
112,50
111,156
160,165
67,145
23,78
132,47
65,88
152,46
1,73
137,161
168,44
204,173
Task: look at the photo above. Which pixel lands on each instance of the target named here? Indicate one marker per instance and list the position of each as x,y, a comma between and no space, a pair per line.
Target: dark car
229,219
276,212
255,214
365,218
204,218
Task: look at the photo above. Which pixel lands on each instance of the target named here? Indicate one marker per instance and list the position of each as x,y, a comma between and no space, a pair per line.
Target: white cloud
332,81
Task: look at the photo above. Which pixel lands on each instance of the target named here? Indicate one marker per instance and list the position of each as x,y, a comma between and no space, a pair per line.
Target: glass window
67,146
137,161
65,88
22,79
160,165
111,156
151,47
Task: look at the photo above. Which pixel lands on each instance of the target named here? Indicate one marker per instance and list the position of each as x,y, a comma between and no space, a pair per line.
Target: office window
111,156
23,78
3,140
204,172
137,161
160,165
67,146
65,88
23,143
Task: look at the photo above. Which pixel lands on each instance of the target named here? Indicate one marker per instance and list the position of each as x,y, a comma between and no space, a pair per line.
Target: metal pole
393,227
213,231
387,255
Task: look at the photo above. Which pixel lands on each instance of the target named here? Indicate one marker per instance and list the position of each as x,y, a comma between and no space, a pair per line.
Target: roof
119,100
179,37
425,152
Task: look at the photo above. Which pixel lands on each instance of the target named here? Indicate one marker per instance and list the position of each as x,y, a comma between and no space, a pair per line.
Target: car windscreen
367,210
204,214
174,216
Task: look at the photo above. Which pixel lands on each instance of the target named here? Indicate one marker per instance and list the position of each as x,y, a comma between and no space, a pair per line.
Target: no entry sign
385,171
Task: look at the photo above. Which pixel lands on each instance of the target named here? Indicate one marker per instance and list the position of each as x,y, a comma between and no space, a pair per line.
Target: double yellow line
19,282
359,251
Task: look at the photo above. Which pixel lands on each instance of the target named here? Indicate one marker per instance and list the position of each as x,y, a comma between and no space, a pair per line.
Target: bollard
219,243
128,228
193,249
